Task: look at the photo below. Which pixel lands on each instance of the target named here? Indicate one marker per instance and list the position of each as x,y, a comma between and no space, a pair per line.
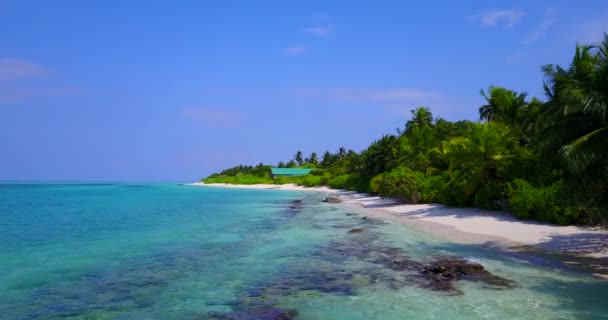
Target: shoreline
288,186
577,247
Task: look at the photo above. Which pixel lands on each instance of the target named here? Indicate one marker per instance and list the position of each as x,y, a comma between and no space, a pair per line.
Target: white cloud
11,67
508,18
546,23
295,50
320,31
370,95
16,84
321,26
212,117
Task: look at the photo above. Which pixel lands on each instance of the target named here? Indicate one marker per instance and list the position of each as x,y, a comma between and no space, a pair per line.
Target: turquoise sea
169,251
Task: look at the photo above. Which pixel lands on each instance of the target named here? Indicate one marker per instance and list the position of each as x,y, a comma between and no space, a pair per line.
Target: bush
317,172
361,184
325,178
310,181
431,185
240,178
351,182
280,180
489,196
532,169
540,203
401,183
338,182
452,192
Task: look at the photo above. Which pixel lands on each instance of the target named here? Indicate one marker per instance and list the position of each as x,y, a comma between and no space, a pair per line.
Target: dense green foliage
539,160
242,175
401,183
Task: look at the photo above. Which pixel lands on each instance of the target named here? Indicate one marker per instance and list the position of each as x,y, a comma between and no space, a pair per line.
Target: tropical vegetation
538,160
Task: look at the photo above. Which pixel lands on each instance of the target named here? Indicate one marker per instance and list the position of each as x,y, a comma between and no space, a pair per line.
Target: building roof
290,171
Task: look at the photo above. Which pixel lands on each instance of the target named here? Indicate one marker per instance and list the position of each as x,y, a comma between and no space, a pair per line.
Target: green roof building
288,172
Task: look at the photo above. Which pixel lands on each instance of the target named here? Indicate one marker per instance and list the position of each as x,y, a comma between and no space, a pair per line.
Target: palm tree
444,130
488,111
354,161
328,160
421,117
528,125
414,148
576,117
439,156
503,105
380,156
509,107
298,158
479,155
313,160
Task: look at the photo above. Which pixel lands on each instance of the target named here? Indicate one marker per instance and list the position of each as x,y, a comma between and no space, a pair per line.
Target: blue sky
151,90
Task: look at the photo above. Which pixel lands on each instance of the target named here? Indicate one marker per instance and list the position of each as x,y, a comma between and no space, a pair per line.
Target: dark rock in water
364,217
332,200
402,264
441,274
296,206
351,214
256,313
372,222
387,266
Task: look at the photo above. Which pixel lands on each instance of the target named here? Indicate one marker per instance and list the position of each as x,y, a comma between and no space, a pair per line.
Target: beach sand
479,227
289,186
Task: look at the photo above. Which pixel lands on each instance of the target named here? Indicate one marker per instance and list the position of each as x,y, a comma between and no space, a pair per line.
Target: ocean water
167,251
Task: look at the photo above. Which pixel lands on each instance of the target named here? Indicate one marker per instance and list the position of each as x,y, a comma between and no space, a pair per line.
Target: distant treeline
543,160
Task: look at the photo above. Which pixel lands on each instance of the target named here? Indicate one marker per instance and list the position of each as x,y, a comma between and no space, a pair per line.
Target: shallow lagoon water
165,251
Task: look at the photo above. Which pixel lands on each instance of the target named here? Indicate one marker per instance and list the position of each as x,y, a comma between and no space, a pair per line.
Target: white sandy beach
289,186
468,225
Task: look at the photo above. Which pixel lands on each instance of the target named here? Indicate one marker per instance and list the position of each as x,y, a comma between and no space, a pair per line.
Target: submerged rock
372,222
386,266
441,274
331,199
296,206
